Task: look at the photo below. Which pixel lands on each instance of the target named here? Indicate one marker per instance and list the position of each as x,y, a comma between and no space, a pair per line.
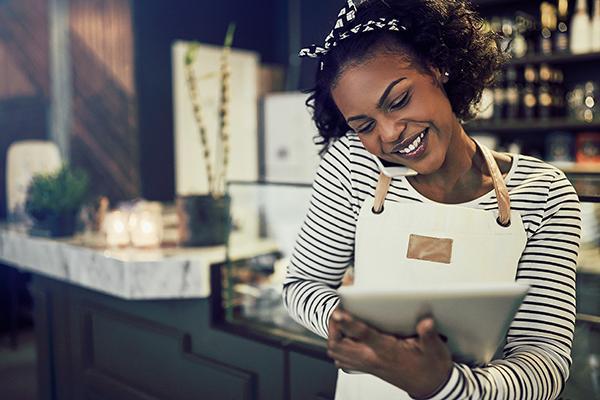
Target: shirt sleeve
325,245
537,354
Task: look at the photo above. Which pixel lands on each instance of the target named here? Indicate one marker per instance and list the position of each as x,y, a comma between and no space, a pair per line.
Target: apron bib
409,244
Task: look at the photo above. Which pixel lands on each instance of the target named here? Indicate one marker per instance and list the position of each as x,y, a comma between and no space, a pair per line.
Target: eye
400,102
368,127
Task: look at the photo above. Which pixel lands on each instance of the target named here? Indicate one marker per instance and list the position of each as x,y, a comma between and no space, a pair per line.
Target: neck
462,165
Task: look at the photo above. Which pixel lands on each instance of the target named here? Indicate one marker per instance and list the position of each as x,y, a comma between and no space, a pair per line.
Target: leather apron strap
499,186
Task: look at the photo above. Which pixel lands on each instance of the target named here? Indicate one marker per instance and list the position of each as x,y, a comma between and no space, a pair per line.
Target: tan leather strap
380,191
499,187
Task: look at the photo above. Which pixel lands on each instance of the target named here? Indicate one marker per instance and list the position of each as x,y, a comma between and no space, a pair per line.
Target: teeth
411,147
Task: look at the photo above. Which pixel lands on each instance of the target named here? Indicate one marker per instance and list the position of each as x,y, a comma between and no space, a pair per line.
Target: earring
446,77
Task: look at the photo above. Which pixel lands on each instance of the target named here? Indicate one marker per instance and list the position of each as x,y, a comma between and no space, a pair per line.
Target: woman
396,80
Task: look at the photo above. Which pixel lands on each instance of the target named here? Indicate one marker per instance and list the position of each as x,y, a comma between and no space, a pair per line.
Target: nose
390,130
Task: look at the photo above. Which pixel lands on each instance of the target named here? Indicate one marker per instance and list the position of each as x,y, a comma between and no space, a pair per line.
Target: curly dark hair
445,34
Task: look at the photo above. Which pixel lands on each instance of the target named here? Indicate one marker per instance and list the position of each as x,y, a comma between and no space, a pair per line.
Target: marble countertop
129,273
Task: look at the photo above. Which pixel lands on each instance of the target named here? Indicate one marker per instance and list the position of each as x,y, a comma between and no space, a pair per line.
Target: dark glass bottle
529,92
507,34
558,93
512,93
545,94
530,31
561,36
499,97
548,25
519,42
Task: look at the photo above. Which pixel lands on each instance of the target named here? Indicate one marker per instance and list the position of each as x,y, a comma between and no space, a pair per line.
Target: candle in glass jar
116,229
145,227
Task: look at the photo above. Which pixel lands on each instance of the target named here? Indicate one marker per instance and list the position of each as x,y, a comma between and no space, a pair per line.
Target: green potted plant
204,218
54,200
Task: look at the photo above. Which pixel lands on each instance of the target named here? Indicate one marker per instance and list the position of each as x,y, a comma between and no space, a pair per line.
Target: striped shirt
536,357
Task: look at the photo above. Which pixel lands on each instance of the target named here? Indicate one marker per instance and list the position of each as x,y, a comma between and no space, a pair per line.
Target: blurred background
135,271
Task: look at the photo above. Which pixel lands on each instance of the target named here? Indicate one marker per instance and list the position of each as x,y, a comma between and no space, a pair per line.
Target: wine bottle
548,23
512,93
519,43
590,112
507,34
529,93
545,98
531,31
499,97
581,29
558,93
561,36
596,27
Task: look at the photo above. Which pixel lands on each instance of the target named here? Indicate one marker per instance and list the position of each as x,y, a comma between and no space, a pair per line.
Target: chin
428,165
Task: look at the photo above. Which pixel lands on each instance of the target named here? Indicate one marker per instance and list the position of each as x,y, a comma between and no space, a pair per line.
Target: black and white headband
341,31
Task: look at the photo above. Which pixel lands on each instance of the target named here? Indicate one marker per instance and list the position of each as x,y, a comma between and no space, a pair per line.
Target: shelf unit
532,133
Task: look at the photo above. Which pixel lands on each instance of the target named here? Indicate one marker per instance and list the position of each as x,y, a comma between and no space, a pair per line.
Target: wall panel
24,77
104,131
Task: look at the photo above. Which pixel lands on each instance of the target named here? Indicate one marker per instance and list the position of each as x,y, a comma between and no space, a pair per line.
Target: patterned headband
341,31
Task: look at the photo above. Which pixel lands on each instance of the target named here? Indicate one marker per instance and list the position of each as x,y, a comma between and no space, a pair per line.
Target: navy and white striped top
536,357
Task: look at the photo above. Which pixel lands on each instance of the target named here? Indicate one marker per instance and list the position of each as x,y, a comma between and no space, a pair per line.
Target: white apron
408,244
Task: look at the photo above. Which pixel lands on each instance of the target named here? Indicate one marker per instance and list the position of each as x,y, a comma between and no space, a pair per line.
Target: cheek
370,143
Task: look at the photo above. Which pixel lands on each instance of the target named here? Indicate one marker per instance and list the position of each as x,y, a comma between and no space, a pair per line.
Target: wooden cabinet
95,346
311,378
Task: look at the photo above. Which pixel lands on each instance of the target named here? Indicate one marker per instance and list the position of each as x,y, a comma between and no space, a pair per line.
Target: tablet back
473,317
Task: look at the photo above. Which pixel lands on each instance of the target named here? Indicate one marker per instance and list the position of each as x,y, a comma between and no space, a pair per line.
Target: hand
419,365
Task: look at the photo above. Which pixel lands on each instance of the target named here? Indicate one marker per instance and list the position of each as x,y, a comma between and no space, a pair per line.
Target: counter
151,324
127,273
141,324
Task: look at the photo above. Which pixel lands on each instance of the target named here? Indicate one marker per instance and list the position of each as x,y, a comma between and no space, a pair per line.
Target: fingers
353,328
335,333
426,329
352,355
429,336
344,350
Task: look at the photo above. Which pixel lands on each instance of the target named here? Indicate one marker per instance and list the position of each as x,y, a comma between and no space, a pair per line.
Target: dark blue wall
261,26
317,19
265,26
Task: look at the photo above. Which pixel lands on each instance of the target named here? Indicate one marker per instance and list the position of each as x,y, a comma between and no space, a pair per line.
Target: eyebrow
382,99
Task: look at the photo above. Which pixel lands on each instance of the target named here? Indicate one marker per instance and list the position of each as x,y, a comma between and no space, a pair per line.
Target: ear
440,75
445,77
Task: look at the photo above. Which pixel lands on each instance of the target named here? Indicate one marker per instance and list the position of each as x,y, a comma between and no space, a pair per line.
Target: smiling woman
395,117
396,81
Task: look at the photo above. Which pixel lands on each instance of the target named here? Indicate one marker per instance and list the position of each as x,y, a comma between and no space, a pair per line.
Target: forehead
367,79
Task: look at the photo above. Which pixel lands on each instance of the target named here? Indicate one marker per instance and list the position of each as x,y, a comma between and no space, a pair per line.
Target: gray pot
55,224
203,220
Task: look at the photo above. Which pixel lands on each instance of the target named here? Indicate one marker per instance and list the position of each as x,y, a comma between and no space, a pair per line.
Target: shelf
556,59
531,126
586,186
581,168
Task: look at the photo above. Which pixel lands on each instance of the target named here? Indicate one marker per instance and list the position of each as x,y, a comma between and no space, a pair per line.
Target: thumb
428,334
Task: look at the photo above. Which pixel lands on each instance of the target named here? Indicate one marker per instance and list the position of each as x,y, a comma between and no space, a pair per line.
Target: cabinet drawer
311,378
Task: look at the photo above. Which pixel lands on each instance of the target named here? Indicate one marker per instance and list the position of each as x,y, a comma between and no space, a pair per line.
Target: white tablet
473,317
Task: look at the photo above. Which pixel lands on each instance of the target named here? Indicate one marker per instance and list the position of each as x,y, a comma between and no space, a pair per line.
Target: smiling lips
411,144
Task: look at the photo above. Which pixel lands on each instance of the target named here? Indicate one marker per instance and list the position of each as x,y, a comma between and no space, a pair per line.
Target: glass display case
269,216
